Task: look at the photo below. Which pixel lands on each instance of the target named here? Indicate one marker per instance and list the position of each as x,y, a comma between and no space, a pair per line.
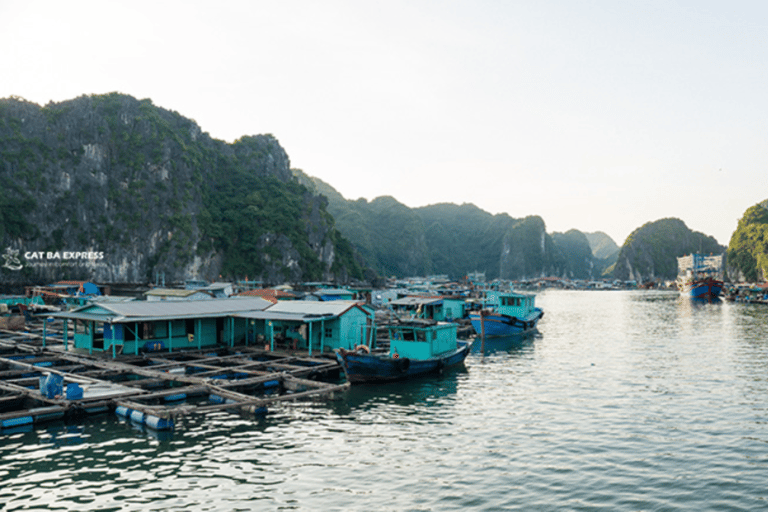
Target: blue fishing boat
416,347
700,276
507,314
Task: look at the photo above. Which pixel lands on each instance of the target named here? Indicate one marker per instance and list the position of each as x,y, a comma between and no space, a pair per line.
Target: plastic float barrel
122,411
216,399
158,423
16,422
271,383
137,416
74,391
175,398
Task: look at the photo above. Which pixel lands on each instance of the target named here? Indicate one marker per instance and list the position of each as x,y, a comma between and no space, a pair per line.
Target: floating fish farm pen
41,380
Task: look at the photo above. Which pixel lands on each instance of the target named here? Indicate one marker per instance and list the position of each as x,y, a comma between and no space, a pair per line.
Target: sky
595,115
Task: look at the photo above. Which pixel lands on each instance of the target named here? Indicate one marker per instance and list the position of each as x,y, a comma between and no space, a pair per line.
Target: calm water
624,401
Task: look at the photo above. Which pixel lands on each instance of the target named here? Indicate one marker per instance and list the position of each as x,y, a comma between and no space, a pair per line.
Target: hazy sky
595,115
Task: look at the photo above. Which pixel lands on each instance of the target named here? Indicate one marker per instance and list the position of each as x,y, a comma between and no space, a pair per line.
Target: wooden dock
154,388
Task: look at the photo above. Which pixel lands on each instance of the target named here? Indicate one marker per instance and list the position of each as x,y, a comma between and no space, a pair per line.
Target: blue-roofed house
137,326
329,294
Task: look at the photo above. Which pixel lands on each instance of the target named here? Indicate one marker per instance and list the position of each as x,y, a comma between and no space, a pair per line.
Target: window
328,332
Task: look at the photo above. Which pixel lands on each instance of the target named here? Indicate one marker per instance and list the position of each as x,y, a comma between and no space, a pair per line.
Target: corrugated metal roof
297,317
312,307
174,292
416,301
169,310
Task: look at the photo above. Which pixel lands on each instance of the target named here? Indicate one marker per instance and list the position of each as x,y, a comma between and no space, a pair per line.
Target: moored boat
508,314
416,347
700,276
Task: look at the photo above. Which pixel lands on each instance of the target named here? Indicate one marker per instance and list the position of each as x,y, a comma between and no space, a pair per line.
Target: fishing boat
416,347
507,314
700,276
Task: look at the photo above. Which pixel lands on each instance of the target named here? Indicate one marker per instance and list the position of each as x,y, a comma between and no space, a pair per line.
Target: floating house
139,326
177,294
68,293
313,325
149,326
454,308
270,294
219,290
329,294
419,306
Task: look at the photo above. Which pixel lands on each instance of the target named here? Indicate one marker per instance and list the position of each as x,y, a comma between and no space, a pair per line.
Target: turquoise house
314,326
136,326
454,308
419,306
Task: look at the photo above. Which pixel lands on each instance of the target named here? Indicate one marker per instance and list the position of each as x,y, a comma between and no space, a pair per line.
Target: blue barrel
137,416
15,422
122,411
158,423
74,391
51,385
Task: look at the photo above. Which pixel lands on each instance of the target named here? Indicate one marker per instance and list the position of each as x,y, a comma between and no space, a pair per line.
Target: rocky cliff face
138,191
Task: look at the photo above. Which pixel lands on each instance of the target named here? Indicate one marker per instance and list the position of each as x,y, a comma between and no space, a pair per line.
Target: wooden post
309,341
482,331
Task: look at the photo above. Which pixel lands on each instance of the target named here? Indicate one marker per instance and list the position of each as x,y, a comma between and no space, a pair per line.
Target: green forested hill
455,239
151,192
650,253
748,248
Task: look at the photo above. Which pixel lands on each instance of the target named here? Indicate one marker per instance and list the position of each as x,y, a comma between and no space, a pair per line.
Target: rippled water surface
624,401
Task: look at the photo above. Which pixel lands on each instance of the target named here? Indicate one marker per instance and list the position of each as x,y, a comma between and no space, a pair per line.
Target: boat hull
496,324
361,368
702,289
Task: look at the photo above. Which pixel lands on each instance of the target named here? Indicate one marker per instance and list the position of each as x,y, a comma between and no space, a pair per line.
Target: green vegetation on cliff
748,248
454,239
650,253
156,195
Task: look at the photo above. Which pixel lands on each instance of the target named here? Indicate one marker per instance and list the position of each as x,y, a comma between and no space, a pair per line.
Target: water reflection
426,390
509,344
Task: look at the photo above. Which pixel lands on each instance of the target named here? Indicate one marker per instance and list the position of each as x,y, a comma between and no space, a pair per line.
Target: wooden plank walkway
154,388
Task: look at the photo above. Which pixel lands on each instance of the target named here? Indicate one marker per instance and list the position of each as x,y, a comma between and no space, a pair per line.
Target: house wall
453,309
350,330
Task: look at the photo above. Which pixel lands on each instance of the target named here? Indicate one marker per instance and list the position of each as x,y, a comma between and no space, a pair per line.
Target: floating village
76,348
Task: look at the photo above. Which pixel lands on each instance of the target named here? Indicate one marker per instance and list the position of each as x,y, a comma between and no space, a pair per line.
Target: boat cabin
421,340
512,304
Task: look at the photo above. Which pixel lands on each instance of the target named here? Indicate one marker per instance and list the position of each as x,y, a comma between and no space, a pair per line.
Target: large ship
700,276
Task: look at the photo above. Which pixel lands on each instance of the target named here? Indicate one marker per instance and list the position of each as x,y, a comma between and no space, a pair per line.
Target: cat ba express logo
12,261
